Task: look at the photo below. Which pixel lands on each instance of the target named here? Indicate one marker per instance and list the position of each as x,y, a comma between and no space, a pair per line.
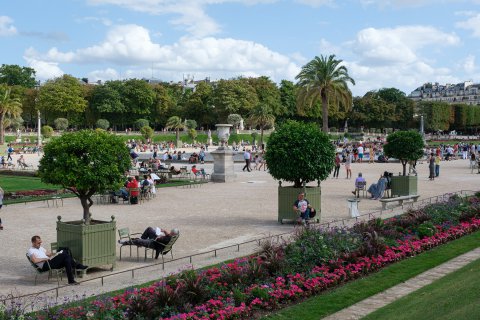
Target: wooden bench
400,200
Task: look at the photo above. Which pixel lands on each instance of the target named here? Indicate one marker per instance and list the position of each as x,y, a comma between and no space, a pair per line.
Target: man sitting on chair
359,185
198,172
39,256
155,238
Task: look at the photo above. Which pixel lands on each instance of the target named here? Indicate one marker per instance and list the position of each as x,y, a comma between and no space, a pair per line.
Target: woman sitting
377,189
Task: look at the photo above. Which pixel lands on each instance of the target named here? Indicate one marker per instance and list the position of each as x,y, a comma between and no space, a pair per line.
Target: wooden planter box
92,245
288,195
404,185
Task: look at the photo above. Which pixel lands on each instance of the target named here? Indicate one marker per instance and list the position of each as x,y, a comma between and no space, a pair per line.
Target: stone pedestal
210,141
223,169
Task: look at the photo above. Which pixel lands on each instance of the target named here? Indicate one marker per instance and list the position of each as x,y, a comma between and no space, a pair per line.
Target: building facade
464,93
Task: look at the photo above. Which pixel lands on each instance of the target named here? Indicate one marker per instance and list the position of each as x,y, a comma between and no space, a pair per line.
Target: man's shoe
81,267
73,283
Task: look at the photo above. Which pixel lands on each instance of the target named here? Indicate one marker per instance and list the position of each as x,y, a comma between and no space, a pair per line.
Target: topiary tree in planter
404,146
299,153
85,162
147,132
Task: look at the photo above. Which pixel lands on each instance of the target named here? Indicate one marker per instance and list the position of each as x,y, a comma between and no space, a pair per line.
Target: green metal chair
168,248
51,272
125,235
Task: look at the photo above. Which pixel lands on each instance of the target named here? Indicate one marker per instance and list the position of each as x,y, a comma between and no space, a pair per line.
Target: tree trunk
2,129
261,136
404,164
324,113
86,204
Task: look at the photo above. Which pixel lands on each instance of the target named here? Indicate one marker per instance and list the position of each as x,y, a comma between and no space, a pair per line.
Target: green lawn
455,296
18,183
337,299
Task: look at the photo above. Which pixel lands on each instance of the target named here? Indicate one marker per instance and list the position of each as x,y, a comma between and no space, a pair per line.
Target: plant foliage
404,146
299,153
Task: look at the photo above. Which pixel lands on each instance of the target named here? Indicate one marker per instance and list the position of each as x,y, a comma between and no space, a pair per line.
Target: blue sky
390,43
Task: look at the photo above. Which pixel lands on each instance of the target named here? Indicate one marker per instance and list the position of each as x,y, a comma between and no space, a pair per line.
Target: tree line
320,95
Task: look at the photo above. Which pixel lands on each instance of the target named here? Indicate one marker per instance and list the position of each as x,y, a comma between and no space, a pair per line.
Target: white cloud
472,24
190,13
44,70
398,45
469,64
131,47
6,27
317,3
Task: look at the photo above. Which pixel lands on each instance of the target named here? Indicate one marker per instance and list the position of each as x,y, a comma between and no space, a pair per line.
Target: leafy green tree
61,123
437,115
147,132
9,107
234,119
192,133
165,104
102,124
64,96
85,162
404,107
268,94
176,124
138,97
461,114
106,102
326,80
288,97
47,131
404,146
262,116
140,123
191,124
14,75
199,105
309,152
254,137
373,111
234,96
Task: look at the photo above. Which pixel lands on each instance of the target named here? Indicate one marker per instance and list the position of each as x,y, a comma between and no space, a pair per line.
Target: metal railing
338,222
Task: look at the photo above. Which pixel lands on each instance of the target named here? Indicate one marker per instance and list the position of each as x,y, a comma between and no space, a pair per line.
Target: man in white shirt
39,256
247,157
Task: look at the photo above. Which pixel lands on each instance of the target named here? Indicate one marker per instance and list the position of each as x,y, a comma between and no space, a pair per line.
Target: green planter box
92,245
404,185
288,195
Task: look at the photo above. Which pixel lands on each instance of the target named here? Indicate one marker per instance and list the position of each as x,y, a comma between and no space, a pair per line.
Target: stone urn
223,133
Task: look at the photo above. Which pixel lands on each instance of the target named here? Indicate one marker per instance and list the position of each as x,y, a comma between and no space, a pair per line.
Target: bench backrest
170,244
124,234
361,184
37,268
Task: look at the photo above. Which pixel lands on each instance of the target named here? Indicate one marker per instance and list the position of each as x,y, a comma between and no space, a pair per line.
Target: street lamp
39,142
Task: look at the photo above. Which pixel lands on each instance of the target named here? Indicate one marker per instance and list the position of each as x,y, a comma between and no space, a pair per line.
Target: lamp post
422,131
39,142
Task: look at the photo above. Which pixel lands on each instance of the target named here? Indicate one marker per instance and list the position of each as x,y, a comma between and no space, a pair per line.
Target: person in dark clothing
154,238
61,259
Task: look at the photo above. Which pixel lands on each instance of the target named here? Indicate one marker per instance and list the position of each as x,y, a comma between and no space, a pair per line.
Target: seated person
377,189
359,184
198,172
193,158
154,238
174,170
133,184
62,259
21,162
303,208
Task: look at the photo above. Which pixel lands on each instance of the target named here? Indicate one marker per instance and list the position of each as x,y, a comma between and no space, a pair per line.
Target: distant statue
19,134
209,134
241,126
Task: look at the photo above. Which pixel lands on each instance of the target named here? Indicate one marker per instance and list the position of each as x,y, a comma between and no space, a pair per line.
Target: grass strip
337,299
454,296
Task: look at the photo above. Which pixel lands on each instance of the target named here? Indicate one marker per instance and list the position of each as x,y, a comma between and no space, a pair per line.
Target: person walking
338,161
348,165
437,166
431,166
247,156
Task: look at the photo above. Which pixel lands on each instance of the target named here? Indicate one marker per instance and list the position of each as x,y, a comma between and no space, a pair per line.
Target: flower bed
267,280
29,194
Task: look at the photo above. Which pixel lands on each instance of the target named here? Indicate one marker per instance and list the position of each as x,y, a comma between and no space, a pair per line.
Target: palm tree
8,106
177,124
262,116
323,78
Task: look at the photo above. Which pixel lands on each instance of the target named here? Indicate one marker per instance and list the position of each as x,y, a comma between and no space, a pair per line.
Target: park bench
400,200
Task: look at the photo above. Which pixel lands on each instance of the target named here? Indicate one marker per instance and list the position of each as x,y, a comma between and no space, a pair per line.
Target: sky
383,44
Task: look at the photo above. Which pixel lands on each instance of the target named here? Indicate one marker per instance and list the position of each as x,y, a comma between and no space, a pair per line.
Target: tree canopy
85,162
14,75
299,153
404,146
9,106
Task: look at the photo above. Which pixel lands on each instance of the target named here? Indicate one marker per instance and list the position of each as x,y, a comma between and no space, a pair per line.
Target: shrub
61,123
47,131
426,229
299,153
192,133
102,124
234,138
146,132
404,146
191,124
140,123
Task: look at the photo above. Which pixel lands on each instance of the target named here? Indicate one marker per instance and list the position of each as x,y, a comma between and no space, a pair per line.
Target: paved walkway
212,216
369,305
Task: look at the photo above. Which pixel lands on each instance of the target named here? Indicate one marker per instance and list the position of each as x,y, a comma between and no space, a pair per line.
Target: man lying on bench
154,238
